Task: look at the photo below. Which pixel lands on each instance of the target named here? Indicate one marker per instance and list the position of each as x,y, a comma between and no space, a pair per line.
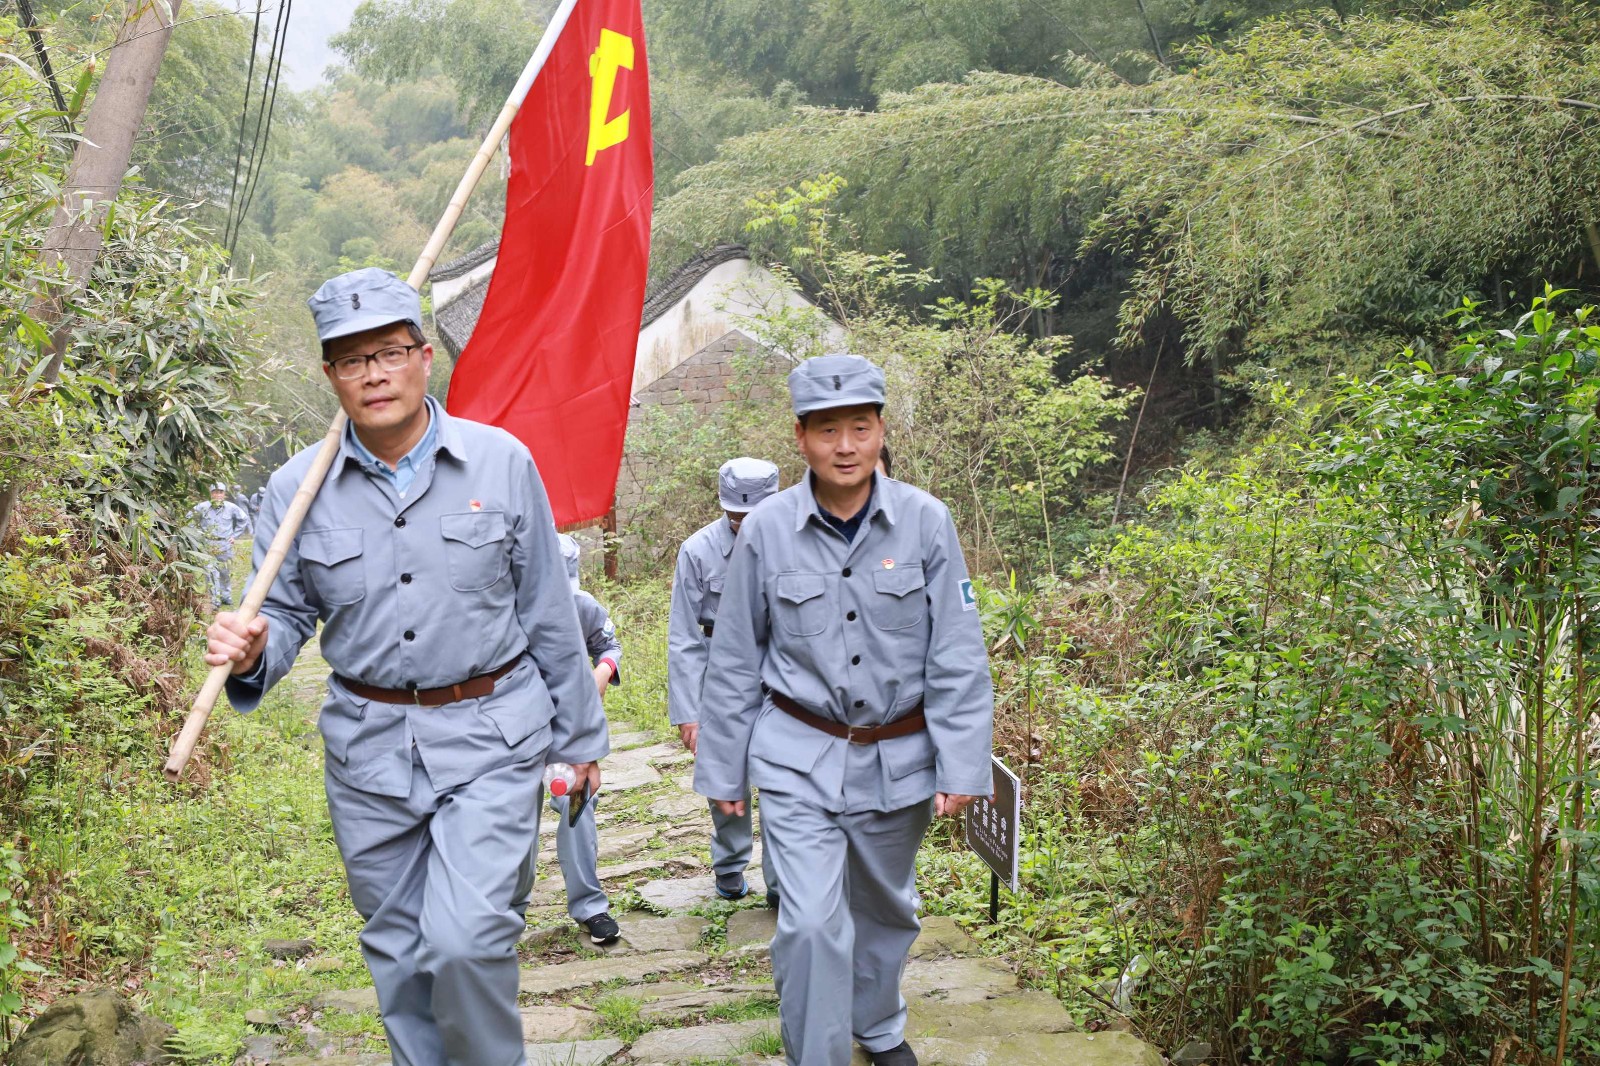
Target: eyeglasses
350,367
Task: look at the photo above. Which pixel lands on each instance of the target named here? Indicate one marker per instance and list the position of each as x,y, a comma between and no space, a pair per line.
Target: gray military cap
361,300
834,381
744,482
571,554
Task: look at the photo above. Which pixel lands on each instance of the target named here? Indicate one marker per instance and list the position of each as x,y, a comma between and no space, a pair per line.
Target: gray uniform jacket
696,592
222,524
599,635
857,632
458,578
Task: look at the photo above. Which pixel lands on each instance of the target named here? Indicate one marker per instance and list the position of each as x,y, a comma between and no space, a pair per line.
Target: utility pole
94,179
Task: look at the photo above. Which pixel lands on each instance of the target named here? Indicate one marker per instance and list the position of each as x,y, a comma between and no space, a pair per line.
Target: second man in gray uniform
696,590
849,682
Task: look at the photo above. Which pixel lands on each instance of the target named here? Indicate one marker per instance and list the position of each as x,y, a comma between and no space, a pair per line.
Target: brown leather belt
471,689
708,630
915,722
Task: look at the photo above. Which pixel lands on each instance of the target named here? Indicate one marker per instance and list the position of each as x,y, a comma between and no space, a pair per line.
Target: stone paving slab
627,739
643,932
621,845
556,1023
681,893
676,806
751,931
1028,1011
544,980
622,871
574,1053
941,937
956,981
716,1041
679,1000
1030,1049
678,758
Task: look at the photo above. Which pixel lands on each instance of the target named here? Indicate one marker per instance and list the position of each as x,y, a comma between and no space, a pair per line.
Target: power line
36,35
244,114
263,130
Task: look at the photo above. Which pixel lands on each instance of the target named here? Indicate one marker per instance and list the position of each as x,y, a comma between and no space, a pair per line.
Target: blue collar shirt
403,473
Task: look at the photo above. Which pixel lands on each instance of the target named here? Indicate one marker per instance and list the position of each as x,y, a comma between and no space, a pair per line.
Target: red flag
551,357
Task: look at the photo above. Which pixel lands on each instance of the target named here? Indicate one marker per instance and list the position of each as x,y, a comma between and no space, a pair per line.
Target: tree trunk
95,177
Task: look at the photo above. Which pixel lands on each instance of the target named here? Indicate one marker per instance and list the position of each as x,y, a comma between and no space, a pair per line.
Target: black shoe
732,886
772,900
895,1056
602,928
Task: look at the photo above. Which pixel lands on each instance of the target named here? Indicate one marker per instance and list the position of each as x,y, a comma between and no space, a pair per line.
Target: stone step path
690,983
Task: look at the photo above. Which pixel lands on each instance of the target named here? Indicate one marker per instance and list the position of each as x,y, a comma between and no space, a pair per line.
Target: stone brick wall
701,382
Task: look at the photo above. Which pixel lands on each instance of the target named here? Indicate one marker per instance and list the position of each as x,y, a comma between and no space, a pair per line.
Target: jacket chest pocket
474,549
330,562
712,600
802,604
899,599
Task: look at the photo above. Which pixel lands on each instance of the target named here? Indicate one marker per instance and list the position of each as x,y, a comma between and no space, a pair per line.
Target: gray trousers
219,577
578,849
849,907
733,843
438,876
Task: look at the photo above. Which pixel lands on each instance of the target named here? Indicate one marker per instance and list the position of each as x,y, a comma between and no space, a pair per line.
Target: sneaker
895,1056
602,928
732,886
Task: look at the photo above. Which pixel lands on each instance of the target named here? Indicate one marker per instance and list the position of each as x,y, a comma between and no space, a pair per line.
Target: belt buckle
850,732
416,694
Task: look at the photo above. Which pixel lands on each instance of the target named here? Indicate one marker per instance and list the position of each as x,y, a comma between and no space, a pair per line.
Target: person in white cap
849,682
429,556
696,589
223,524
578,845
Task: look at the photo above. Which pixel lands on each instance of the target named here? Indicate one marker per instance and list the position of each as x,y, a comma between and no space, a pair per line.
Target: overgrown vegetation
1316,738
1306,721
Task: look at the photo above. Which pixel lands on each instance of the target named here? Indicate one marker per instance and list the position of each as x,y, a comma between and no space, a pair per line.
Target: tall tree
95,177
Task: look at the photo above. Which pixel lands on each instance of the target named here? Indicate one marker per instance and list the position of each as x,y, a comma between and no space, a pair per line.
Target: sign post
994,831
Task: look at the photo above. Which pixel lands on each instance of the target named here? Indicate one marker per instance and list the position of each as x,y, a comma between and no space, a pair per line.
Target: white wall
729,297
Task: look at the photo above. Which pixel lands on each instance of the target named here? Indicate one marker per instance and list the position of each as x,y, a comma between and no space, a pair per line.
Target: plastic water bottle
559,778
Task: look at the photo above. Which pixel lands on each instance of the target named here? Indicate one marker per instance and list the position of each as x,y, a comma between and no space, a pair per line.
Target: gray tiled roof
461,264
458,317
675,285
456,320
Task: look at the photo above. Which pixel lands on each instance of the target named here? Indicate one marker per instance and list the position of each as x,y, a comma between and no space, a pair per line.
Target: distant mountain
306,54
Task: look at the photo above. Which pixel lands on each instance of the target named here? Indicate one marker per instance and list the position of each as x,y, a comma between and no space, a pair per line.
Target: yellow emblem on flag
615,53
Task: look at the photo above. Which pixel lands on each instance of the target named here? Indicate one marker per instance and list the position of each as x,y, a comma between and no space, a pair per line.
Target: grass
619,1016
745,1010
766,1042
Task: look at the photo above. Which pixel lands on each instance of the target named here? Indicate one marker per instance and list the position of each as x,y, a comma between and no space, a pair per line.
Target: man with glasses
430,558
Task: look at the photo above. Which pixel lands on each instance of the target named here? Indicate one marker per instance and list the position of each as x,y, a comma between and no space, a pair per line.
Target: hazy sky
311,23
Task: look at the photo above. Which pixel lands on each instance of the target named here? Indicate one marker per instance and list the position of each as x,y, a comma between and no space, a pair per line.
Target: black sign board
994,828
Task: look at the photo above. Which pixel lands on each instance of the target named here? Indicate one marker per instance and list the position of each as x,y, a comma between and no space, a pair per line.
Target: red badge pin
475,505
888,564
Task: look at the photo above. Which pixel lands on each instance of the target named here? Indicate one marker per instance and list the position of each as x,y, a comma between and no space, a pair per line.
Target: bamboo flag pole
289,527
